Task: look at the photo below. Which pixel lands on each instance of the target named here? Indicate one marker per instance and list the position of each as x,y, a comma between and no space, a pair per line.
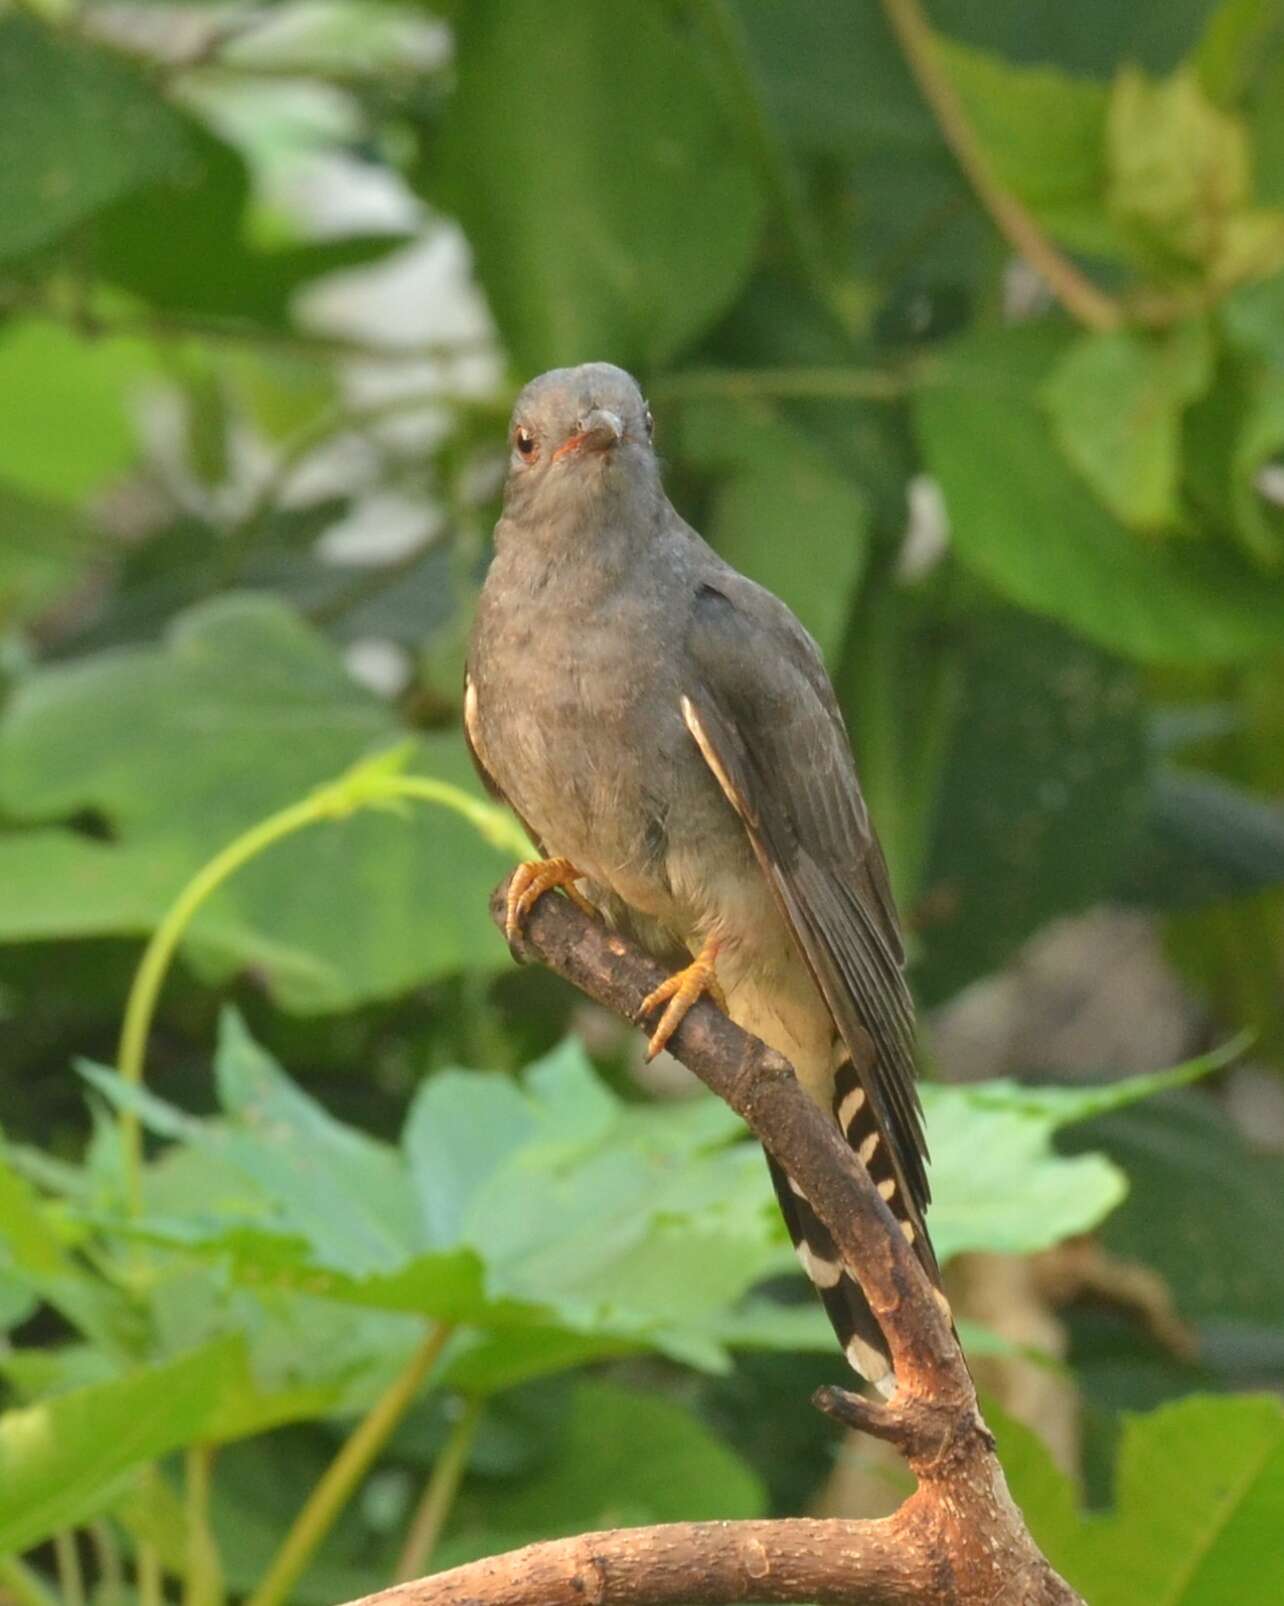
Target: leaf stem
203,1583
370,784
149,1580
438,1497
71,1579
1078,295
111,1575
347,1469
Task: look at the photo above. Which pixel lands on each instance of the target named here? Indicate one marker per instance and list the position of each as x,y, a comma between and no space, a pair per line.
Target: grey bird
666,732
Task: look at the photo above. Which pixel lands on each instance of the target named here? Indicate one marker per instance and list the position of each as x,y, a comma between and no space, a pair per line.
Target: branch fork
958,1540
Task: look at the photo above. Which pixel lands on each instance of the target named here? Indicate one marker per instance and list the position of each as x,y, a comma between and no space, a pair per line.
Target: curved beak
598,431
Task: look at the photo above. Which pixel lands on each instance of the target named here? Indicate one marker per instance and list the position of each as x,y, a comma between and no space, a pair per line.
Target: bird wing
762,710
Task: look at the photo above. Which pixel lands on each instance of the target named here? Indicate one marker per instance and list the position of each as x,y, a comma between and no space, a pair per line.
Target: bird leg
679,992
529,883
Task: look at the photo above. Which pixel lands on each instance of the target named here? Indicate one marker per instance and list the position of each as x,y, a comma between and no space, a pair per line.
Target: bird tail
859,1335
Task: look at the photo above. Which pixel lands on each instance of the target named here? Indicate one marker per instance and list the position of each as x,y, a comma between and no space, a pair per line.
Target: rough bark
959,1540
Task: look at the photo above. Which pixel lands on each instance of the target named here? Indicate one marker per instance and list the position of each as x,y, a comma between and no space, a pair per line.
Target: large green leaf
64,1460
1204,840
604,1475
78,128
548,1206
1043,132
204,220
1040,796
974,1207
549,1212
780,504
610,209
44,549
1116,401
1024,521
242,710
68,406
1195,1186
1199,1507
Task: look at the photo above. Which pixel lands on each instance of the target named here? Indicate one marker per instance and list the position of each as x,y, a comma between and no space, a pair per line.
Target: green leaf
547,1208
975,1208
1025,522
1259,523
1043,132
35,1255
779,496
1181,182
78,128
1195,1183
1048,742
63,1460
204,219
1116,402
56,388
1199,1506
603,1475
44,549
241,711
595,233
632,1226
1205,840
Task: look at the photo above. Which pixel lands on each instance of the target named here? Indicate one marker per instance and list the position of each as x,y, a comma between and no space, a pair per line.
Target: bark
958,1540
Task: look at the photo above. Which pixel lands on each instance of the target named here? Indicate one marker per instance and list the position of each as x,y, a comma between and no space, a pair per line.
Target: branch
957,1541
1092,307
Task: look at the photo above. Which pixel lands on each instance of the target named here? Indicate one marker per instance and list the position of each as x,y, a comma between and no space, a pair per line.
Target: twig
1077,294
957,1541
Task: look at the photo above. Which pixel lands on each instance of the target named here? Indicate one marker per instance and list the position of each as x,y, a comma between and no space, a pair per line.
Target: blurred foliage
269,278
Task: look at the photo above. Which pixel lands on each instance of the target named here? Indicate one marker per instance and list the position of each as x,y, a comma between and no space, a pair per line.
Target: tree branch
957,1541
1092,307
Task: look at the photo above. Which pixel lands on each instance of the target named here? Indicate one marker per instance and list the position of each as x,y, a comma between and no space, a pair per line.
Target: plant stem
24,1584
71,1580
150,1583
1078,295
145,990
363,786
111,1576
203,1584
438,1497
773,161
836,384
346,1470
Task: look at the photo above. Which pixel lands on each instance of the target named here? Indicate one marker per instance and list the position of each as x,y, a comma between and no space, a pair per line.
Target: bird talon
678,993
531,881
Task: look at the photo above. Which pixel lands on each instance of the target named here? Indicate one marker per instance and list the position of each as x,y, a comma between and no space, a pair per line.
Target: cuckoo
666,732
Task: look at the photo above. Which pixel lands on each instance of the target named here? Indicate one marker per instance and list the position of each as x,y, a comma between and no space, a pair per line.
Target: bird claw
679,992
529,883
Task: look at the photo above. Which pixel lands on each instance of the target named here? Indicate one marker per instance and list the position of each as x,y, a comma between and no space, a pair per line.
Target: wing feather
764,715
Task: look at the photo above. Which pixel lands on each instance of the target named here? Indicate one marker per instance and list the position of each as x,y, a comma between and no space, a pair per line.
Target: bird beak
598,431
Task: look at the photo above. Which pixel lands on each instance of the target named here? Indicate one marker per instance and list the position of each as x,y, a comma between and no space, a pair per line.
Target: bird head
579,438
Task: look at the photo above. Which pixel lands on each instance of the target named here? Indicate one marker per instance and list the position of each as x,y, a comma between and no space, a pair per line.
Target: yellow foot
679,992
529,884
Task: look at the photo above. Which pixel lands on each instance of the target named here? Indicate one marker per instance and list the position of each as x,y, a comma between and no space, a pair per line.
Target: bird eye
650,423
524,441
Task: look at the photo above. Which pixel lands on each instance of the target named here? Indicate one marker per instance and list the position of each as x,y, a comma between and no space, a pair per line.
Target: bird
665,730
